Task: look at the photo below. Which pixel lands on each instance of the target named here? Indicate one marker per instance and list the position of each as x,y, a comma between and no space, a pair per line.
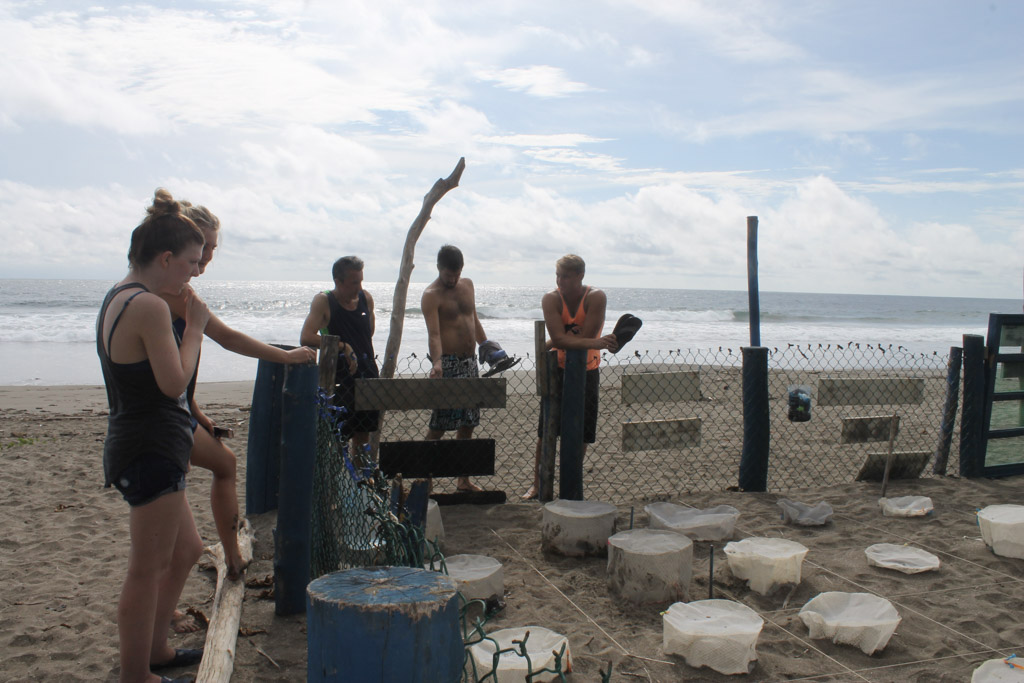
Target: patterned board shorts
448,419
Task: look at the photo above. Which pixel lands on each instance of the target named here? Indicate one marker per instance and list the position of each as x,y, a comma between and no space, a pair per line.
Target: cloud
538,81
740,31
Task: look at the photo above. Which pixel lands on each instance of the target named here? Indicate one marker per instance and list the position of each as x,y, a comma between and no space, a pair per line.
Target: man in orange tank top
574,317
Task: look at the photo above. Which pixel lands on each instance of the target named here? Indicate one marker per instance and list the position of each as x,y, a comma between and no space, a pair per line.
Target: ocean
47,327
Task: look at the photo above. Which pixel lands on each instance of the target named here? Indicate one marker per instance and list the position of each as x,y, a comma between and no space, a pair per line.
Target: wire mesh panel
670,423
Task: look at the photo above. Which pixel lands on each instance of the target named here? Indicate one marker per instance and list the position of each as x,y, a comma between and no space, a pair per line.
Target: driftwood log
222,634
387,370
439,190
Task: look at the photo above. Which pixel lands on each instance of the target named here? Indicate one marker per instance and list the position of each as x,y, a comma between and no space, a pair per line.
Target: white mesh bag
719,634
902,558
435,526
577,527
906,506
513,668
859,619
802,514
1002,528
650,566
766,563
712,524
999,671
479,577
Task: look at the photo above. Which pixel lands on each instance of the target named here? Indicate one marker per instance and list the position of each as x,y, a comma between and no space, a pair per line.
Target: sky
879,143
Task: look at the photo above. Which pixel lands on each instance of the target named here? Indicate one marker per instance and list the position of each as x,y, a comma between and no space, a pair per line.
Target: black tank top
144,422
353,328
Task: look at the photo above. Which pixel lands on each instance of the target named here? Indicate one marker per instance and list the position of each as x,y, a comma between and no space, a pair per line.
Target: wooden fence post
570,482
949,409
756,422
293,539
972,416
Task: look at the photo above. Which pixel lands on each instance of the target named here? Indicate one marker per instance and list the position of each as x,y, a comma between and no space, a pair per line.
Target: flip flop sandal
501,366
183,656
626,327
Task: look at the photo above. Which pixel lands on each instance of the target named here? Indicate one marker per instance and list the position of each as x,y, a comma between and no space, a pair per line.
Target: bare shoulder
595,297
151,308
430,292
369,298
550,299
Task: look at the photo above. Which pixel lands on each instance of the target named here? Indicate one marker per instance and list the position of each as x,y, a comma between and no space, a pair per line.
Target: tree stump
395,624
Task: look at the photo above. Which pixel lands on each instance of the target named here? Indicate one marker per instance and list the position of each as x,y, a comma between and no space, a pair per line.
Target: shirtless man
453,331
347,312
574,317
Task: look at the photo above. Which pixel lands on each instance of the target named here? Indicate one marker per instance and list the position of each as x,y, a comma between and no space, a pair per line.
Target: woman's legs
164,547
209,453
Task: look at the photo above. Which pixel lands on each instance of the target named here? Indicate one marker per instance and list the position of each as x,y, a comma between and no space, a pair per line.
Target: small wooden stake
894,425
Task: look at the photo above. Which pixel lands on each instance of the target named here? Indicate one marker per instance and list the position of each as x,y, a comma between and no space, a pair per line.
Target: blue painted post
756,426
263,453
570,482
972,415
292,538
394,624
753,296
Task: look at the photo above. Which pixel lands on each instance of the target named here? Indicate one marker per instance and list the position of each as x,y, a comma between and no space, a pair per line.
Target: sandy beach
65,542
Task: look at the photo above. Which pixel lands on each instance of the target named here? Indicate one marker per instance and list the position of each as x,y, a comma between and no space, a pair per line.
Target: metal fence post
756,429
570,482
972,416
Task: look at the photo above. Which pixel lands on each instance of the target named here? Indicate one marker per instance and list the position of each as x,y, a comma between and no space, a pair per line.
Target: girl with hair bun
146,369
208,451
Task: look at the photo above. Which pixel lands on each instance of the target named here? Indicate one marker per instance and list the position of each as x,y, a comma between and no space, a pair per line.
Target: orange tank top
574,325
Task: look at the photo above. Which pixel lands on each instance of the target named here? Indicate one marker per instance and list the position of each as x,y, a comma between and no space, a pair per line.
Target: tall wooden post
550,410
293,538
753,296
949,409
972,416
263,451
756,420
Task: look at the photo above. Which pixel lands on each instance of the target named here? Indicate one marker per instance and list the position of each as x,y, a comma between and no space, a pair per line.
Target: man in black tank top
347,313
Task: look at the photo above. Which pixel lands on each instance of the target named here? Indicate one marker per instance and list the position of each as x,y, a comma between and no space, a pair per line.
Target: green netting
355,522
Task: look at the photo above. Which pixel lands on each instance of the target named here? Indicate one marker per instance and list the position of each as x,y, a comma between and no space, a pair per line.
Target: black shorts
590,398
146,479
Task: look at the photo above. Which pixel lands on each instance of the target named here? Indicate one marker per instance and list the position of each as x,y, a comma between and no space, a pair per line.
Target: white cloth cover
434,526
650,566
712,524
766,563
859,619
802,514
1002,528
577,527
906,506
479,577
998,671
902,558
512,667
719,634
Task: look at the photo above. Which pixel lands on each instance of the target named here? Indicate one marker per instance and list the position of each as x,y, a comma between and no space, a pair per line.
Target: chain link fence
697,415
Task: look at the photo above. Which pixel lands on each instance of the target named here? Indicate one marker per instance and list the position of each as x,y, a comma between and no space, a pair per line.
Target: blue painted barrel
386,624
